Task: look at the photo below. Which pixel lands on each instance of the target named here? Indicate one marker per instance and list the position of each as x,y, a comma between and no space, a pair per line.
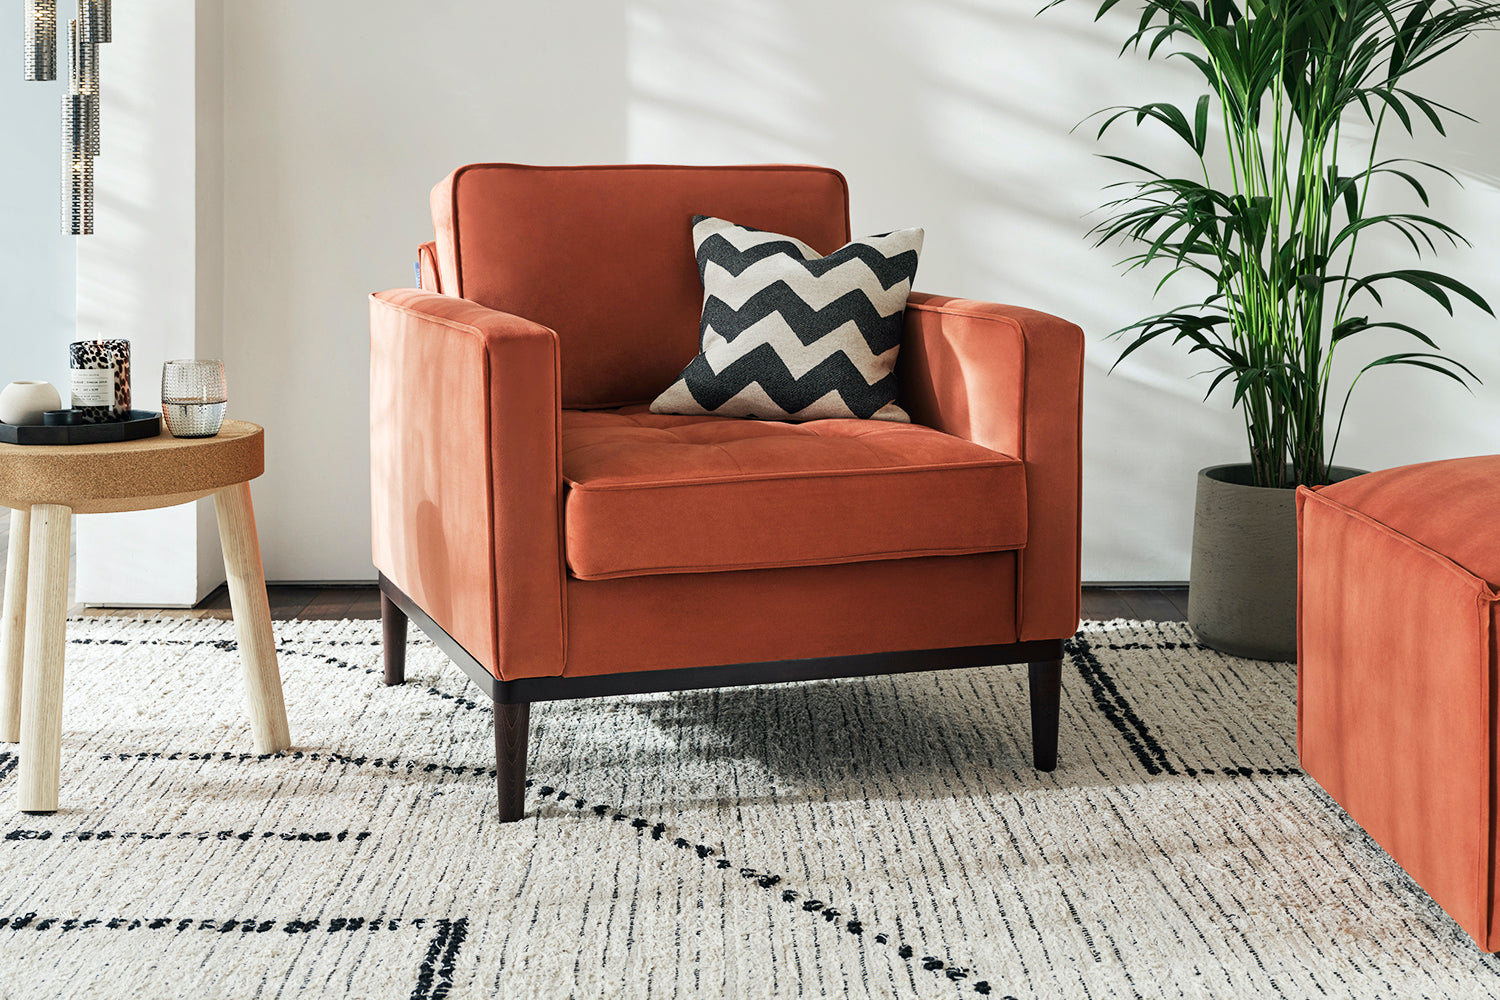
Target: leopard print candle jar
100,371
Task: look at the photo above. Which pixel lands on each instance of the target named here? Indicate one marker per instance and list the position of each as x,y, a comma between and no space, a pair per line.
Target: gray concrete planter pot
1242,593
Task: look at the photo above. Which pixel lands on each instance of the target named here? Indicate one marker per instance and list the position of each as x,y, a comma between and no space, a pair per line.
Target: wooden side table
44,487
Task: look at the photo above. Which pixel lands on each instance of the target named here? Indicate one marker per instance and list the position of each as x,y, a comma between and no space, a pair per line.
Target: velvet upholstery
1444,506
651,493
571,293
604,255
1010,379
1396,717
467,499
427,268
751,616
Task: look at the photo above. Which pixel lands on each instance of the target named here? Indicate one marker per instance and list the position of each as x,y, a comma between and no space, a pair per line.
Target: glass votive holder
99,380
194,396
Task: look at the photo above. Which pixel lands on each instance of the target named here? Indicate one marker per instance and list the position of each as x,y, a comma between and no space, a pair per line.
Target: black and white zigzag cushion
790,335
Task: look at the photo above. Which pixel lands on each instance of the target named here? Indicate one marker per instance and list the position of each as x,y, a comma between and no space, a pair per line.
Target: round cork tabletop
131,475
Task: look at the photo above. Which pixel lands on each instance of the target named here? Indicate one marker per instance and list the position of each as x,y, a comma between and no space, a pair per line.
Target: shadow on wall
144,180
914,103
958,116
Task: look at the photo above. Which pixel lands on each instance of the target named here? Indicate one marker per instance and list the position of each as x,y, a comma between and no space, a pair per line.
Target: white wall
36,260
956,115
339,118
152,272
949,114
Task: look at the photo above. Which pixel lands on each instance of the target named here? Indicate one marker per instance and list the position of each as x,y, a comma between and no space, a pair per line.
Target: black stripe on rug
242,925
434,976
350,760
1114,706
817,908
1143,744
230,646
85,836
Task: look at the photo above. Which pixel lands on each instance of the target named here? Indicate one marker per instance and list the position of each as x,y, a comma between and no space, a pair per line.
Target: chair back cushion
604,255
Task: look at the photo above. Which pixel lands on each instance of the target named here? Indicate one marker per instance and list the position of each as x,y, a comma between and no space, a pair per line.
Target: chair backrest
604,255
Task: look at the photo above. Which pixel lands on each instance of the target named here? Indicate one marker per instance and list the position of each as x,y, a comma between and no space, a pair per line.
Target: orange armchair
557,540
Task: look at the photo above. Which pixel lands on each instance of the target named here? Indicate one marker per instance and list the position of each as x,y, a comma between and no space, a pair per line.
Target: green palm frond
1277,232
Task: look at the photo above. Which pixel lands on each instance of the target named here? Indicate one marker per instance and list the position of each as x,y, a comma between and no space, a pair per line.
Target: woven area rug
880,837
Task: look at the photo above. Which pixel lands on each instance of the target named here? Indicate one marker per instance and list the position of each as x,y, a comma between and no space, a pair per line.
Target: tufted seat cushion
654,493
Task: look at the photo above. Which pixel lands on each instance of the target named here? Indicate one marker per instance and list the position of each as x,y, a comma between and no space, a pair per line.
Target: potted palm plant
1268,231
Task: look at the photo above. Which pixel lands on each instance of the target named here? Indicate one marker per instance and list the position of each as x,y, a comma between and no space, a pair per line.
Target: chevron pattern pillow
790,335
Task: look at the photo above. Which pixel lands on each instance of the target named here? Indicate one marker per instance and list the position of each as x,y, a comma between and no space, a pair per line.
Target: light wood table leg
252,617
46,640
13,626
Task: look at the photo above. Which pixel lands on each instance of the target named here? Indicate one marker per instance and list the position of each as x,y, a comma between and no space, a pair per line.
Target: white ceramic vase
25,402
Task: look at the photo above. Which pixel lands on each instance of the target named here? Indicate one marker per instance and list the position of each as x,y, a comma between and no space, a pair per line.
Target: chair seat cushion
653,493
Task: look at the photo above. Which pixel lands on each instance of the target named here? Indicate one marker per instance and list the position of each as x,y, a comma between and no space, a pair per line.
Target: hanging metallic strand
77,168
85,77
80,120
40,36
80,106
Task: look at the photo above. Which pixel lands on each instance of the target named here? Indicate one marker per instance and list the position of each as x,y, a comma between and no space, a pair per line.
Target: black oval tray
141,424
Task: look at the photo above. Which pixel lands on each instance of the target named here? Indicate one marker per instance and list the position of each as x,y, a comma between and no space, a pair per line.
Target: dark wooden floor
333,603
1161,604
313,603
288,601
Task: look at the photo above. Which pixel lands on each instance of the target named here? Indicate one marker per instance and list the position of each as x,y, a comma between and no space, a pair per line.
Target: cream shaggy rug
882,837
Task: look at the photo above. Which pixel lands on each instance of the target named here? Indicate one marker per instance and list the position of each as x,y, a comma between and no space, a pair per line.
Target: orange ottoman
1396,676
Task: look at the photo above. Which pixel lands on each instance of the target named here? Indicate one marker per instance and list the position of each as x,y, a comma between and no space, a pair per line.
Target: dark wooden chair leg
393,637
1045,680
511,723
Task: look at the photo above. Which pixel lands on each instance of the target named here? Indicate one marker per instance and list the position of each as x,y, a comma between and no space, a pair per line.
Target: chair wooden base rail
512,699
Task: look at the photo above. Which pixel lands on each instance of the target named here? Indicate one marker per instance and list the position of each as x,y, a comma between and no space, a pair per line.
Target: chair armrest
428,278
465,475
1010,379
